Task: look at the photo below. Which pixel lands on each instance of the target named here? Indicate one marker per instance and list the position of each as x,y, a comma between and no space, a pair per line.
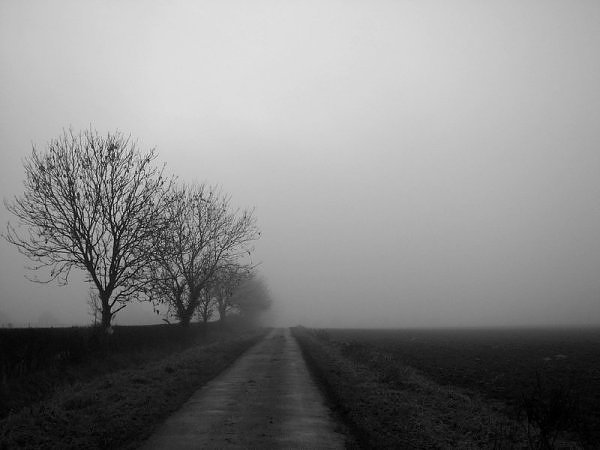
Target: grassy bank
35,362
390,405
122,408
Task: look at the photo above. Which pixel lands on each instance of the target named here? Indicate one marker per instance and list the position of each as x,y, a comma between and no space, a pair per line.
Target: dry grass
390,405
36,362
121,409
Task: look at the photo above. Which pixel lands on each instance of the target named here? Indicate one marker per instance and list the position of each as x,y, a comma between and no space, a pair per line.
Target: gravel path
267,399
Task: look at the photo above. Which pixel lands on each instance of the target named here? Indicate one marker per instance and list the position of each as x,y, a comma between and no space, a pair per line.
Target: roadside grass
390,405
36,362
549,377
122,408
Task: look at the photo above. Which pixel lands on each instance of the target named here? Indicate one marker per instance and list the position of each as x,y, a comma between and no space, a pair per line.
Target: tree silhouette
200,234
91,202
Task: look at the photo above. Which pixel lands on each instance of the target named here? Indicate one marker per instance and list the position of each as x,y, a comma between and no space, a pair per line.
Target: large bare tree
90,202
202,233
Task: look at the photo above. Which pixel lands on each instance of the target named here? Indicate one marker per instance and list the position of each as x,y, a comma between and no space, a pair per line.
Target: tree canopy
98,204
91,202
201,234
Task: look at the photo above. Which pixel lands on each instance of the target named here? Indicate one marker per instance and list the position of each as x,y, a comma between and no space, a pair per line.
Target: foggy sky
412,163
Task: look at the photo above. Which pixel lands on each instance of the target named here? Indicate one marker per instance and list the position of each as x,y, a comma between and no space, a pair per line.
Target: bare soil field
501,388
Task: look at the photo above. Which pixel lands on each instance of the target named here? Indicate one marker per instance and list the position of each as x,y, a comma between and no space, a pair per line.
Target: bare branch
93,203
201,235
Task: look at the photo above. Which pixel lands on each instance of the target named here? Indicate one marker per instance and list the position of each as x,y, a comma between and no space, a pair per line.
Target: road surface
267,399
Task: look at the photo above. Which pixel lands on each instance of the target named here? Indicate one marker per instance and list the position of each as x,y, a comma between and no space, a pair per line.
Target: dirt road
267,399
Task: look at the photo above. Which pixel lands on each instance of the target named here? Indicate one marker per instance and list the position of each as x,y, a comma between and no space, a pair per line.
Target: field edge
121,409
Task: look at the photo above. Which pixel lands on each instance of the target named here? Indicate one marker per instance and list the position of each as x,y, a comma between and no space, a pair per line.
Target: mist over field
410,163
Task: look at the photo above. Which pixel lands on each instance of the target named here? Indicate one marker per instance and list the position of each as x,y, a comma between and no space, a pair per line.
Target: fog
411,163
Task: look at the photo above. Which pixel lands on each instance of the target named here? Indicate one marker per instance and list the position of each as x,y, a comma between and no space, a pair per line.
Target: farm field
544,371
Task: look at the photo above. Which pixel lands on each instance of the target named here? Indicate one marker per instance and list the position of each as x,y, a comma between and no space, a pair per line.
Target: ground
267,399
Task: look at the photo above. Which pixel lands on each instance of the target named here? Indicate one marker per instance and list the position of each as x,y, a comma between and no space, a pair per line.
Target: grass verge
36,362
120,409
389,405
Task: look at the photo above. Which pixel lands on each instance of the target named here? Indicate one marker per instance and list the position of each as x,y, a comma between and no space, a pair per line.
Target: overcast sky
412,163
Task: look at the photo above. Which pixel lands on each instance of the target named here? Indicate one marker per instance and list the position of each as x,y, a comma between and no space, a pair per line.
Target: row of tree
98,204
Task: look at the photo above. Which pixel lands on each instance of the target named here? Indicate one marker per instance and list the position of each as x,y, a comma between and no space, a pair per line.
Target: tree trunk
222,315
185,319
185,314
106,317
106,312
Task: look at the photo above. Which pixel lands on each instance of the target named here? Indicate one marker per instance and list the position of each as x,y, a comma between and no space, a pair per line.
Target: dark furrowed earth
511,365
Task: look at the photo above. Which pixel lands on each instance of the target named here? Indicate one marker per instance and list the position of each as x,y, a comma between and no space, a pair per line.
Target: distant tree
201,234
91,202
226,282
206,304
252,297
94,306
217,292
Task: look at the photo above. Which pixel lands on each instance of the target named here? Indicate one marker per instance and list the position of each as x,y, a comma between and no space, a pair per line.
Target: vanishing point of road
266,399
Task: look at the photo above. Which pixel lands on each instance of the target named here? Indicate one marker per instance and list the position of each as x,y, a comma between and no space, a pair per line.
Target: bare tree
206,304
252,297
202,233
219,289
227,281
94,306
91,202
